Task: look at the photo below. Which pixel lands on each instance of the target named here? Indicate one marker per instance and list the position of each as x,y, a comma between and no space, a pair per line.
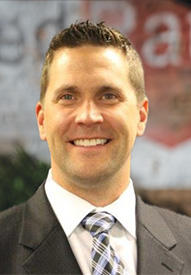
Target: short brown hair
87,33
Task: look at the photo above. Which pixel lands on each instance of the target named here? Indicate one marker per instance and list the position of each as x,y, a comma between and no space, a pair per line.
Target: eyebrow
65,89
75,90
108,88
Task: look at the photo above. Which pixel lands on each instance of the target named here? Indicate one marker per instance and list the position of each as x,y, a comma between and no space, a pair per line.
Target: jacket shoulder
152,216
178,223
13,212
10,221
10,228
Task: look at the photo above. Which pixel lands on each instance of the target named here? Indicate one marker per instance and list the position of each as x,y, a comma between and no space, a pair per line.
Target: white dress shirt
70,211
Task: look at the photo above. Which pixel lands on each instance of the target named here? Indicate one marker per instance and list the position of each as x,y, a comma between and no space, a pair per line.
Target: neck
100,194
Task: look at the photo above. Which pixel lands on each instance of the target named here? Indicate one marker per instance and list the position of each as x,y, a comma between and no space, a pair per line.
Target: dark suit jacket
33,242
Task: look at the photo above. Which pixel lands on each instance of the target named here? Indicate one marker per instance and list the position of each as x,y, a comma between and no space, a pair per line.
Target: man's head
92,109
87,33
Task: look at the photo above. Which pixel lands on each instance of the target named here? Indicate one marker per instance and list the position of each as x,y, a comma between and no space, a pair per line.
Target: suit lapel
48,249
155,243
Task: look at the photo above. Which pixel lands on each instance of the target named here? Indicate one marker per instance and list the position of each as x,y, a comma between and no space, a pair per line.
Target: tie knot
97,223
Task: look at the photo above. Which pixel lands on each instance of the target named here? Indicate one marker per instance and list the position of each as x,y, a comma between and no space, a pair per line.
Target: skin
89,96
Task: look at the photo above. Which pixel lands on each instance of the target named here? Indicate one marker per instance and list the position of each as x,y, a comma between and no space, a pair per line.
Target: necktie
104,259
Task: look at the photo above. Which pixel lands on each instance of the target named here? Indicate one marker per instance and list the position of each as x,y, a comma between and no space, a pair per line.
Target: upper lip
95,137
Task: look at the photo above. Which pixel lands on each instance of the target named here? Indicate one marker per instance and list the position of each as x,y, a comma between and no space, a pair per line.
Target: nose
88,114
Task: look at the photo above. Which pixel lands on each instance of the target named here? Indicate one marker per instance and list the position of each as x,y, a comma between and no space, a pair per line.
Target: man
92,108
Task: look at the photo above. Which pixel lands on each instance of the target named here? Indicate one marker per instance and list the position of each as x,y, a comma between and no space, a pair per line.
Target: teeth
90,142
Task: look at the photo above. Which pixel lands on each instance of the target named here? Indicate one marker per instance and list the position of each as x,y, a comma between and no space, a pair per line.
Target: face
90,116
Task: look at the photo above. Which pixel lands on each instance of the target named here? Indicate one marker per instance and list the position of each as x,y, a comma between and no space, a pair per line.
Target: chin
88,180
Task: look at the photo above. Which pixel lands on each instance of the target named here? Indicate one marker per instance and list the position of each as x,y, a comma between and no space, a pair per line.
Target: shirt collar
71,209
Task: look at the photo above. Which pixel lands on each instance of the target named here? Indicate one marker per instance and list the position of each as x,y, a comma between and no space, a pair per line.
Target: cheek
57,124
125,121
117,123
51,124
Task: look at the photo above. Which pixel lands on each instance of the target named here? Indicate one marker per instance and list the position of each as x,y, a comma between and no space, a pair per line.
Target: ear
40,120
143,115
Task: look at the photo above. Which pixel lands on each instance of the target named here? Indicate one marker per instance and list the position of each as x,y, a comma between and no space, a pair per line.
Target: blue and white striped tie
104,259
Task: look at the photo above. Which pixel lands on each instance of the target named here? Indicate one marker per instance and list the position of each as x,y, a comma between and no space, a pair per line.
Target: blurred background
160,31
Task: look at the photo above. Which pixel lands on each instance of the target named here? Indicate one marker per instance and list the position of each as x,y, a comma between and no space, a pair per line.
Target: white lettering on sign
168,38
11,41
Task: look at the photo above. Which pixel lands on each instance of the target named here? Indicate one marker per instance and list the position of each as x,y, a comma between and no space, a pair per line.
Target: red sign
161,32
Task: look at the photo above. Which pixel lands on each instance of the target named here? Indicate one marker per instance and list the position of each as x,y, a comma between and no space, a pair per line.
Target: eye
67,97
109,96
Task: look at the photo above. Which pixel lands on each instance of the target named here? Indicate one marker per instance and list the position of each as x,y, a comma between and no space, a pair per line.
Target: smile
90,142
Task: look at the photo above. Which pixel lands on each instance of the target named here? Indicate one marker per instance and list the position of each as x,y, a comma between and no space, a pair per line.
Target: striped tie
104,259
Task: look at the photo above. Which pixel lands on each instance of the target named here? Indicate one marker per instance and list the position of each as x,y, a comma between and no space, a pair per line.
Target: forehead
89,57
